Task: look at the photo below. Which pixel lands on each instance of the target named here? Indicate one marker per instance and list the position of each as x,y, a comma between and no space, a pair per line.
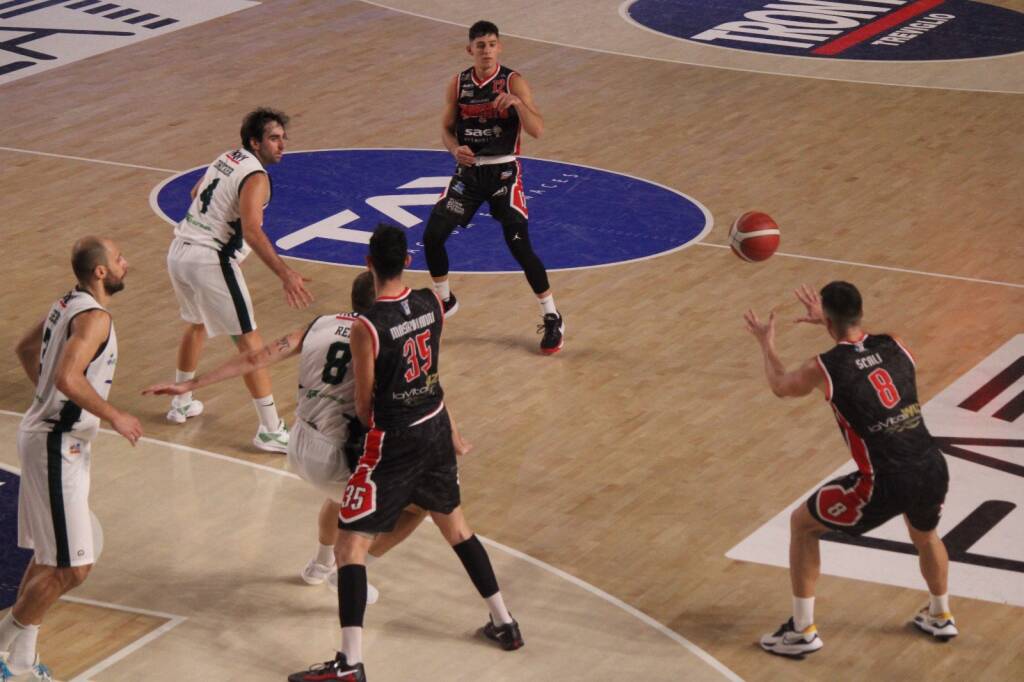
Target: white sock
499,614
23,650
352,644
938,604
184,398
547,305
803,613
443,290
325,555
9,630
267,410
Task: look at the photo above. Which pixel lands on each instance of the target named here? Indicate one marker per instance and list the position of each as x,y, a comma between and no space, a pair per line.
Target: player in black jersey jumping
487,106
408,454
869,381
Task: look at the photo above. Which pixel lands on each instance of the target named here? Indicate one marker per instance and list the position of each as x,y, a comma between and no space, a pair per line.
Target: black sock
352,595
478,566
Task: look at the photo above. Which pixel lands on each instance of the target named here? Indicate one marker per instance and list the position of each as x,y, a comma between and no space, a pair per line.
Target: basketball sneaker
37,673
507,635
787,641
941,627
338,670
451,305
272,441
553,326
316,573
372,593
179,413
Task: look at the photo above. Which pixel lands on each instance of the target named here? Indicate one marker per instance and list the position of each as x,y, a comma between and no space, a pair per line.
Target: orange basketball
754,236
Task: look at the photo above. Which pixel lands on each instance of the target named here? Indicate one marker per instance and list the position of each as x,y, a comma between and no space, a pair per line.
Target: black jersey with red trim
478,123
873,392
407,345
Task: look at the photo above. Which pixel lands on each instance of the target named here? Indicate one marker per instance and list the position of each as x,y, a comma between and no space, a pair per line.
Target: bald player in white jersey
326,434
70,358
223,225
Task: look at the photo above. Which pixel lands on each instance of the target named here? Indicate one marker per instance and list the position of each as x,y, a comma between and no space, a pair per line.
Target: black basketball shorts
499,184
855,503
411,465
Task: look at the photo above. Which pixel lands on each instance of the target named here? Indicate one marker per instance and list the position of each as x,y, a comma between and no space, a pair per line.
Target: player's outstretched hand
295,291
762,331
809,297
168,388
128,426
464,156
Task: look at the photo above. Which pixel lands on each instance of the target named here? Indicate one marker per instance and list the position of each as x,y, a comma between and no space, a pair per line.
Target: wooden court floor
633,460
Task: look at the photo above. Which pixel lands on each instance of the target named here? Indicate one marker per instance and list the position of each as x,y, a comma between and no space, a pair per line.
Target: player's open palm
812,302
762,331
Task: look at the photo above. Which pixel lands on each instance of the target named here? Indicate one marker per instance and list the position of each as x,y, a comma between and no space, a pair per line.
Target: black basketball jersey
406,386
873,392
478,124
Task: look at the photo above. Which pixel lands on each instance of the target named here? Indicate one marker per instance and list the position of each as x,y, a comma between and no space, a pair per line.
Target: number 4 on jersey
206,195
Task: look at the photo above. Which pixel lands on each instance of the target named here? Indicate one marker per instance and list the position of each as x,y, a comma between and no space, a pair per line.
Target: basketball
754,236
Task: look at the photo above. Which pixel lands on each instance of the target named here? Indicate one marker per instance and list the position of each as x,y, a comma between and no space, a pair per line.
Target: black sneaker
337,670
507,636
553,327
451,305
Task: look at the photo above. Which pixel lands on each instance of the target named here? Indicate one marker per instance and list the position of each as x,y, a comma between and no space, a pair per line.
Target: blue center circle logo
887,30
325,205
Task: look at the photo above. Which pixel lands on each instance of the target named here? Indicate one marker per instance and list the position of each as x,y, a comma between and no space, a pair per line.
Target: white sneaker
272,441
941,627
372,593
178,414
38,672
316,573
787,641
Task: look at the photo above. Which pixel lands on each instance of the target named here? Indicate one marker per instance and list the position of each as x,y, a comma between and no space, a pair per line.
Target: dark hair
841,303
255,123
388,249
483,28
363,293
86,254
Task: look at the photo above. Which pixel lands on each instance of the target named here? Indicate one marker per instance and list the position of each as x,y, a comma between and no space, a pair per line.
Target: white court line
173,620
82,158
601,594
883,267
669,60
708,218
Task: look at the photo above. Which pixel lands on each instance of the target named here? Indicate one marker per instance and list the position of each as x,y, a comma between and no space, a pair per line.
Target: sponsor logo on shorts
887,30
455,206
459,187
505,175
501,192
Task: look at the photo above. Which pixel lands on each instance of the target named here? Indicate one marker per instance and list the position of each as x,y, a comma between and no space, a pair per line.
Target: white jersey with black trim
214,218
51,410
327,385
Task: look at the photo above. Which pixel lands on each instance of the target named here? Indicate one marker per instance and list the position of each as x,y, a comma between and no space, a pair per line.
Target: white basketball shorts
318,459
53,500
210,289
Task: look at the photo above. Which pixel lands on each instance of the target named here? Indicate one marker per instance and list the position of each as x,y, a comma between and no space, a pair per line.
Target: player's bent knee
72,577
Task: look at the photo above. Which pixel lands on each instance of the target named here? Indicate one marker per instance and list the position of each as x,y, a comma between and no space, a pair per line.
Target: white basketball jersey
51,410
327,384
213,218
